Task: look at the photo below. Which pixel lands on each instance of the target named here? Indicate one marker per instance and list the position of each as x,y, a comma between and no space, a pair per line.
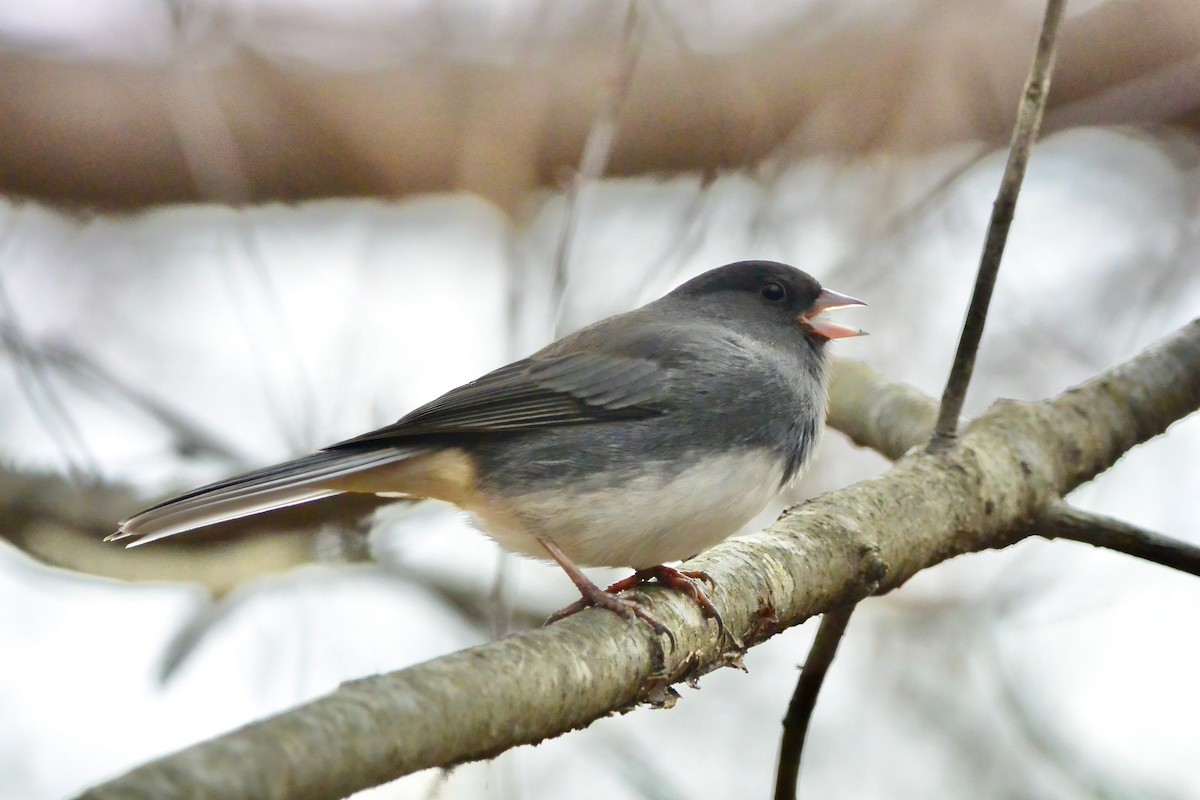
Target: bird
642,439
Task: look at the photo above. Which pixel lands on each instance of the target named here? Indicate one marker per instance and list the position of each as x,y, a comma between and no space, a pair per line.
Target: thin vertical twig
597,150
304,434
1029,120
804,699
499,606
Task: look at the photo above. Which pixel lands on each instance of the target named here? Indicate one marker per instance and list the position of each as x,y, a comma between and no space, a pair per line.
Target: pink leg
687,581
593,595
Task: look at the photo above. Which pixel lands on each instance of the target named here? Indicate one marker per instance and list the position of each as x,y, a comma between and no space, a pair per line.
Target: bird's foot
628,607
690,582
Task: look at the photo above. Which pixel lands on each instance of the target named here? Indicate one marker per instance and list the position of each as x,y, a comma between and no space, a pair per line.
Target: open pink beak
829,301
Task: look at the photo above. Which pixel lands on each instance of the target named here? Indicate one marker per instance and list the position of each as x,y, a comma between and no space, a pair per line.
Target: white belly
644,522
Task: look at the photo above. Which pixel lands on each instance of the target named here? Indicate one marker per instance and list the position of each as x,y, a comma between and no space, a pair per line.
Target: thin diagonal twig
1064,522
44,398
1029,119
833,625
74,363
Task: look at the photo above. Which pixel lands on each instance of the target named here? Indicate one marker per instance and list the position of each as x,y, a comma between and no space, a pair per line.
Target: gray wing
537,392
543,390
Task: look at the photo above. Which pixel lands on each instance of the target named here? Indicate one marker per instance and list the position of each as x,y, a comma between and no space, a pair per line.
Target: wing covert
538,392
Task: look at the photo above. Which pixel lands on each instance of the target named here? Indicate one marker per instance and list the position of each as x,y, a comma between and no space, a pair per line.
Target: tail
290,483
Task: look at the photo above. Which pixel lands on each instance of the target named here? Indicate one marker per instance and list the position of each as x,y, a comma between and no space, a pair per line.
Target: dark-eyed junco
645,438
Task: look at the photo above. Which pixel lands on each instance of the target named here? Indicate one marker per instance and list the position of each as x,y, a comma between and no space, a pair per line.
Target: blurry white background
151,347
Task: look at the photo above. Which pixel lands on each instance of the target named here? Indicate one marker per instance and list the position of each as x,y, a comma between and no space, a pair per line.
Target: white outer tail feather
288,484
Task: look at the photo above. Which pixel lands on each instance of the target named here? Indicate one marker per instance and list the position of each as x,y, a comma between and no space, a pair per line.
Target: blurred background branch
401,101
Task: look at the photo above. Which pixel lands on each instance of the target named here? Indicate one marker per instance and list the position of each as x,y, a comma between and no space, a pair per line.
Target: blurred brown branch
244,126
62,523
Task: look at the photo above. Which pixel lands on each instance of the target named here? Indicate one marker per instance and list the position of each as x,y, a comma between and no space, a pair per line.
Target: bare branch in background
43,397
304,435
597,152
874,400
62,523
891,418
872,411
189,438
202,128
499,602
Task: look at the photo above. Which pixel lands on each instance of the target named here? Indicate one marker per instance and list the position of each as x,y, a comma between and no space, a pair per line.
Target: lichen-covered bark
982,493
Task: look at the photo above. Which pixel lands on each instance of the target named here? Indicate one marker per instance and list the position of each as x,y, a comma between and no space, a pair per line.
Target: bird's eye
773,291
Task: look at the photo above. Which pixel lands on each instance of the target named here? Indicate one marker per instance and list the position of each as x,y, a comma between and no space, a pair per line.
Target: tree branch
804,699
1064,522
1007,466
888,417
1029,121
